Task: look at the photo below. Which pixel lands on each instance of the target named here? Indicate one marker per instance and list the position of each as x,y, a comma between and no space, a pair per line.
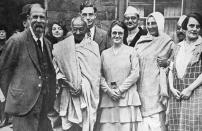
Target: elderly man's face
2,34
38,20
131,21
79,30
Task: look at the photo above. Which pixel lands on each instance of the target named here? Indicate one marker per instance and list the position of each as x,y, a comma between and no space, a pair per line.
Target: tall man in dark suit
26,70
88,12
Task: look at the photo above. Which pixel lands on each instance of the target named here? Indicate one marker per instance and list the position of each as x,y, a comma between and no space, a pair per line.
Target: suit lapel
98,36
49,50
32,49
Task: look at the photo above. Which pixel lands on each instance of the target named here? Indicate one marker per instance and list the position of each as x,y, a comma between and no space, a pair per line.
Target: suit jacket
20,73
101,38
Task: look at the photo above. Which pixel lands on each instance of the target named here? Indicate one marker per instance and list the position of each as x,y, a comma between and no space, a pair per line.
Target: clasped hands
163,62
185,94
65,84
114,94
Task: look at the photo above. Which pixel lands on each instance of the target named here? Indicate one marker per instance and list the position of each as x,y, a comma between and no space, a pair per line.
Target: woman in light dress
120,102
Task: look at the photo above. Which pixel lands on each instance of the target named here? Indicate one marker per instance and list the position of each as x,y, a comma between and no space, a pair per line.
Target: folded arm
134,74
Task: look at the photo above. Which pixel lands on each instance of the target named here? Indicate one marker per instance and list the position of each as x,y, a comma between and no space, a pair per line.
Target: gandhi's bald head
79,28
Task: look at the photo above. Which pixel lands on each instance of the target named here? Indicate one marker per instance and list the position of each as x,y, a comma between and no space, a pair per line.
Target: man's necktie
89,34
39,44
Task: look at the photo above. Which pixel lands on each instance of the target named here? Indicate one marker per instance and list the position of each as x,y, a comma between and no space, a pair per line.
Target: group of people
126,79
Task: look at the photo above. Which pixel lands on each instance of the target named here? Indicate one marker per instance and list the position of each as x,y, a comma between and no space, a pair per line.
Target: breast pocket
16,95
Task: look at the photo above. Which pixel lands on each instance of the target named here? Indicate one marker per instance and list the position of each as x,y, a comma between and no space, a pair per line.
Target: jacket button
40,85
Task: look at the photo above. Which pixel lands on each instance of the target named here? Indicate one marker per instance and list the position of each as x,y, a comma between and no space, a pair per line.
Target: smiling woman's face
152,26
193,29
57,31
117,34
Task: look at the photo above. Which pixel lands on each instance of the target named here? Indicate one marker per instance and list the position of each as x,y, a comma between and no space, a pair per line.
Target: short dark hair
61,24
25,12
194,15
122,25
87,4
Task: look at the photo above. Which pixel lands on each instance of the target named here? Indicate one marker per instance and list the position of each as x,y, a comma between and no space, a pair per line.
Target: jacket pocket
16,95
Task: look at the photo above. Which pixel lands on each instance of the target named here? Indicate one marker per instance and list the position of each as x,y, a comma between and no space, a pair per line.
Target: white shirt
92,32
131,35
35,38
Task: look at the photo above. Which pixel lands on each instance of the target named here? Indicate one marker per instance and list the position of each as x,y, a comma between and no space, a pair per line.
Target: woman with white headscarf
154,50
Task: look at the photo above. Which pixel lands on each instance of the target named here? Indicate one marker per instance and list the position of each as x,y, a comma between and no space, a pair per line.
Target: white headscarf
160,20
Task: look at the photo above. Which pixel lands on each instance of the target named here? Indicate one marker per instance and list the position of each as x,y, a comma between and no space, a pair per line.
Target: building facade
108,10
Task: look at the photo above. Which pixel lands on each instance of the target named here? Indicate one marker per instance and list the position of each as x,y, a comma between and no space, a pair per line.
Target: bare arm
175,92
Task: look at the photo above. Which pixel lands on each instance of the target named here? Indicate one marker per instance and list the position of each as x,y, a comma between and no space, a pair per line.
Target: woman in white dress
120,101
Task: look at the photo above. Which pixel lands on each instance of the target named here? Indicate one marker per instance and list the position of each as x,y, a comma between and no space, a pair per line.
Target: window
171,9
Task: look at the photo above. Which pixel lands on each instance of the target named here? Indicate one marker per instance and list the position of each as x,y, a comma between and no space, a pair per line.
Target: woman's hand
186,93
176,93
113,95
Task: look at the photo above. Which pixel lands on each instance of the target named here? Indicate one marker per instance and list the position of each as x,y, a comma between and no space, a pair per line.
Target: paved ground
7,128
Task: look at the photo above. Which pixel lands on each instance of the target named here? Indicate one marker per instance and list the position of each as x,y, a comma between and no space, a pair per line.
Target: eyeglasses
130,17
80,29
117,32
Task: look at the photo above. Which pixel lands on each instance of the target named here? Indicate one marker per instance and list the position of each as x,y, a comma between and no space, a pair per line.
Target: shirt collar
195,43
134,31
92,31
34,36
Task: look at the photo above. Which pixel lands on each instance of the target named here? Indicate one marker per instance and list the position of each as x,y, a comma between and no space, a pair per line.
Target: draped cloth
153,83
79,64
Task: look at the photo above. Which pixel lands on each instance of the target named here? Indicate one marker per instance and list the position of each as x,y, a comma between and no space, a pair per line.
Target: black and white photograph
100,65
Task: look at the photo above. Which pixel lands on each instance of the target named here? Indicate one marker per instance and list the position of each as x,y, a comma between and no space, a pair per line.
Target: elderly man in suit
27,71
88,12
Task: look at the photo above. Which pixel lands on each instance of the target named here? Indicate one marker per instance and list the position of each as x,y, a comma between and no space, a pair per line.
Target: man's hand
74,92
163,62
